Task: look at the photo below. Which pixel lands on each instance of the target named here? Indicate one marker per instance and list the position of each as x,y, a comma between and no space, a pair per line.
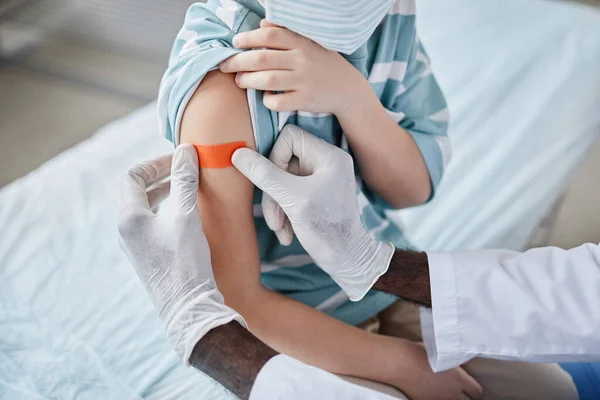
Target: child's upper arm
218,113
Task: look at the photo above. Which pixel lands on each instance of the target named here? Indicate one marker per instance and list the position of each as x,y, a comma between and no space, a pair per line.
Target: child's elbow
244,298
422,194
419,195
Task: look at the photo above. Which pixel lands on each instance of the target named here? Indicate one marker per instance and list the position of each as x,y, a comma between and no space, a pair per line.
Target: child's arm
402,165
389,159
218,113
402,149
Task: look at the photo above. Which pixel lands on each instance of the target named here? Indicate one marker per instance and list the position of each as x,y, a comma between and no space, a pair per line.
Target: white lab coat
542,305
285,378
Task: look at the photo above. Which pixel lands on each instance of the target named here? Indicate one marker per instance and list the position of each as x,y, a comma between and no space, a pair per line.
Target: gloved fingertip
186,147
256,168
284,237
353,295
286,233
185,163
272,212
291,129
240,157
289,230
185,157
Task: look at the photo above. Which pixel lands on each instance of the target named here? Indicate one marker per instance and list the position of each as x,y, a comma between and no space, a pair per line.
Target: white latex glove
169,250
320,205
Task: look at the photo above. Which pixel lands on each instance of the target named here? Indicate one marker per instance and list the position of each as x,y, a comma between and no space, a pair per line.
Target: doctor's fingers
133,198
277,220
295,146
157,193
313,154
275,217
153,171
269,178
185,178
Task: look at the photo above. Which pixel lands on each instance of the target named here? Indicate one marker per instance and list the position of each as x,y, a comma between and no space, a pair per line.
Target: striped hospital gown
397,67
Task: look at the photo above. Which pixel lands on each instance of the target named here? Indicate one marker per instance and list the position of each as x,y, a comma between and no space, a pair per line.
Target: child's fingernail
223,65
236,41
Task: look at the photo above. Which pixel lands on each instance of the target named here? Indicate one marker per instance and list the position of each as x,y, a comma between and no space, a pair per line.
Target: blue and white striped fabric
396,65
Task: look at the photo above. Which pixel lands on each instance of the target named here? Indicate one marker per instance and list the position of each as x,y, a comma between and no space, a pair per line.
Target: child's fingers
272,38
472,388
266,24
265,80
258,60
281,102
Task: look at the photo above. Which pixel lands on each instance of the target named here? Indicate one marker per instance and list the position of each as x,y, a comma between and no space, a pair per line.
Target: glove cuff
357,282
188,325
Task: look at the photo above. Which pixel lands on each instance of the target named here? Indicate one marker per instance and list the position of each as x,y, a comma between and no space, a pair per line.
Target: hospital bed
523,83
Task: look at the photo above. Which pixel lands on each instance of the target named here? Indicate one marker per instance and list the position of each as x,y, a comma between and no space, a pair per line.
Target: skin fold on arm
218,113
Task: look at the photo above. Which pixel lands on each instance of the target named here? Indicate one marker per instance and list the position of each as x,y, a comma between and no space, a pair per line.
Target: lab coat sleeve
285,378
542,305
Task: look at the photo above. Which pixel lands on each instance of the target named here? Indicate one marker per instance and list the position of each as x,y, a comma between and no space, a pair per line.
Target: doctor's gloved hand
309,189
169,251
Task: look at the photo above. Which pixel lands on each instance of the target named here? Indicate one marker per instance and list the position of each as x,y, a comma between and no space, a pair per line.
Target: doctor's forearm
232,356
407,277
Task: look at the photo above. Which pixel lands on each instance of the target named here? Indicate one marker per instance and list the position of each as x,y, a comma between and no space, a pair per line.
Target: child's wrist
396,362
406,369
357,97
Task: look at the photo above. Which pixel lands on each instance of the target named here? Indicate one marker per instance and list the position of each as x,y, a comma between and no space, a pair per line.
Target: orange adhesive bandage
217,155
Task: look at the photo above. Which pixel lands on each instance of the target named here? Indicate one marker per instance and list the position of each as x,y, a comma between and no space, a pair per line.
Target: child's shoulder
399,22
403,7
212,25
395,37
231,14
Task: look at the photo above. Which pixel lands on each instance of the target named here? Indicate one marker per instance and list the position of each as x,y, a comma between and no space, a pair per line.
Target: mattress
75,322
523,86
522,82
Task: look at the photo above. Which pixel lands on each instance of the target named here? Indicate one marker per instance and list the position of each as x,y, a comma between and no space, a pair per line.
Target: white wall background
144,27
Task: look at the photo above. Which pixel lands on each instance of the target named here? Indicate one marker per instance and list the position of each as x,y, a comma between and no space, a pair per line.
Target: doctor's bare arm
410,273
232,356
407,277
547,289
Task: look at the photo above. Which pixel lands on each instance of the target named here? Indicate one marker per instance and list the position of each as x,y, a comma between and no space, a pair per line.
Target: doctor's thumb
185,178
263,173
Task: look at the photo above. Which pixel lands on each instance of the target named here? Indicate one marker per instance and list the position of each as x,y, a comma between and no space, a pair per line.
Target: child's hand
313,78
419,382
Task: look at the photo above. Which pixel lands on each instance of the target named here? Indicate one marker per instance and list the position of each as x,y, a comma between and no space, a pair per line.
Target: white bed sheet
522,79
75,323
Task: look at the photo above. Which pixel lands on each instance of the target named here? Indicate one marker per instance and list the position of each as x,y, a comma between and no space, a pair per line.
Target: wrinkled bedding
523,86
75,323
